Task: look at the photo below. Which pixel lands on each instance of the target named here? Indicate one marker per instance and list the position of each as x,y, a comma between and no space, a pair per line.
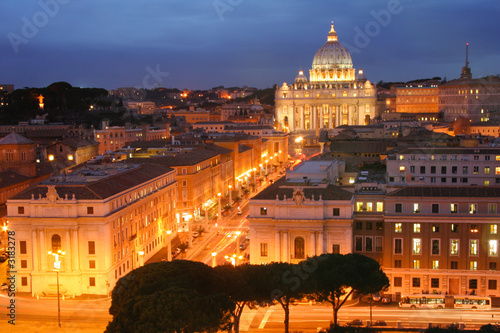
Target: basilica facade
334,94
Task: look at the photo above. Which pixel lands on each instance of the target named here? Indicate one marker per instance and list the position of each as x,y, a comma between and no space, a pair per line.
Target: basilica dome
332,55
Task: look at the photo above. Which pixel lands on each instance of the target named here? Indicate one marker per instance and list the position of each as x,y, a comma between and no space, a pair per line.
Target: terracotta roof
448,192
8,178
15,139
331,192
100,189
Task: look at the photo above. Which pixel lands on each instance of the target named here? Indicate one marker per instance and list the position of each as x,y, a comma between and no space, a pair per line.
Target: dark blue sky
203,44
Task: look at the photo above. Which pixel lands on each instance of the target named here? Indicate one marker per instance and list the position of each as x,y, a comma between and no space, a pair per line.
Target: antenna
467,55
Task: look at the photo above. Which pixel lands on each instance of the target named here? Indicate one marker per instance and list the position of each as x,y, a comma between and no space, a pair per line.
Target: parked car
196,234
380,323
386,300
239,211
376,297
243,246
355,322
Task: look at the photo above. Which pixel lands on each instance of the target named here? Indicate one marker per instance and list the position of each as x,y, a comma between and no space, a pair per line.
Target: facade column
319,242
338,114
74,250
35,255
277,240
285,246
44,248
313,243
68,248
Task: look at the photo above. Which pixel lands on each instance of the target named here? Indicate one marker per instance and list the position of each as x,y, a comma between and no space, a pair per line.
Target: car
239,211
380,323
386,300
376,297
196,234
355,322
243,246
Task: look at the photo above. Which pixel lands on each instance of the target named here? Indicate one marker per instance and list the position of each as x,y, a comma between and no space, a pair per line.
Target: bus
438,301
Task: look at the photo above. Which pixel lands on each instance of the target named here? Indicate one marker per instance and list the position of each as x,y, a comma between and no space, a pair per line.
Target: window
465,180
433,179
397,263
24,281
422,169
398,227
454,247
454,265
435,208
22,247
497,170
454,169
472,284
398,281
443,179
435,246
434,283
91,247
358,243
417,245
263,250
336,212
380,206
493,266
379,225
454,208
475,170
454,227
473,247
369,225
443,170
416,208
299,248
416,264
412,169
398,208
91,264
487,170
435,227
360,207
465,170
493,229
92,281
90,210
56,243
415,282
493,247
24,263
416,227
184,183
472,208
402,168
433,169
359,225
369,206
378,244
492,284
263,210
20,210
435,264
492,208
369,244
398,245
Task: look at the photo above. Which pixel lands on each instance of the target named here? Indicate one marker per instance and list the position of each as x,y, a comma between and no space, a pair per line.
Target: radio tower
466,74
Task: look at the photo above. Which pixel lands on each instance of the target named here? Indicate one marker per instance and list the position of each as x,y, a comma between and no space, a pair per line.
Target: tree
174,310
281,284
335,277
239,283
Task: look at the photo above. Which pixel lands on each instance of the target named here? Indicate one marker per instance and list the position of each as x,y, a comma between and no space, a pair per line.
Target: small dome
361,76
301,77
332,55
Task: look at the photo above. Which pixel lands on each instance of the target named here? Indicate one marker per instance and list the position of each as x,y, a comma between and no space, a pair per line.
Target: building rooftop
448,192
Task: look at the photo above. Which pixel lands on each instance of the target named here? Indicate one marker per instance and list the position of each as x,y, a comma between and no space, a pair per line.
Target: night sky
206,43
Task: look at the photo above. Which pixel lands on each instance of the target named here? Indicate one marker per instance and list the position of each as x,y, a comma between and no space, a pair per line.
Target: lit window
473,248
454,208
402,168
473,266
454,247
416,208
472,208
398,227
416,227
493,247
417,245
359,206
416,264
380,206
435,264
474,228
369,206
497,169
493,229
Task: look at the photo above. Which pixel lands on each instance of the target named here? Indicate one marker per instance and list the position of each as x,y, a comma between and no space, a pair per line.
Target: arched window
299,248
56,243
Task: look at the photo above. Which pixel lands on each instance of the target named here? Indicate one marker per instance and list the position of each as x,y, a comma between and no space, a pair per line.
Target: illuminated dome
332,55
301,77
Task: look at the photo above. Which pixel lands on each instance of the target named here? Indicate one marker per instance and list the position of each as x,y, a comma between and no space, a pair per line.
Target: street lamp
214,259
260,168
57,267
266,166
169,246
219,208
230,195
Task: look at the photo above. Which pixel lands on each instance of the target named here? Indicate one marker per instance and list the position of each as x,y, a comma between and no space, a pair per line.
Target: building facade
333,95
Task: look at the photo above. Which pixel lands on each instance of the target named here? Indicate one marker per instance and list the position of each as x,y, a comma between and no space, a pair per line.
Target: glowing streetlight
57,267
260,167
169,246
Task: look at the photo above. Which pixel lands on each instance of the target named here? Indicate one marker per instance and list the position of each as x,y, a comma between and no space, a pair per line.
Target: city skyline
236,42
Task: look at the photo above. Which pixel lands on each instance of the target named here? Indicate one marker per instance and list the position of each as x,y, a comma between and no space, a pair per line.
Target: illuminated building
333,95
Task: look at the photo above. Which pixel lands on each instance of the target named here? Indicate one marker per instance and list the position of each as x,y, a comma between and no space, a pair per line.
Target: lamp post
214,259
57,267
238,233
230,195
169,245
266,166
260,169
219,210
254,174
206,215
